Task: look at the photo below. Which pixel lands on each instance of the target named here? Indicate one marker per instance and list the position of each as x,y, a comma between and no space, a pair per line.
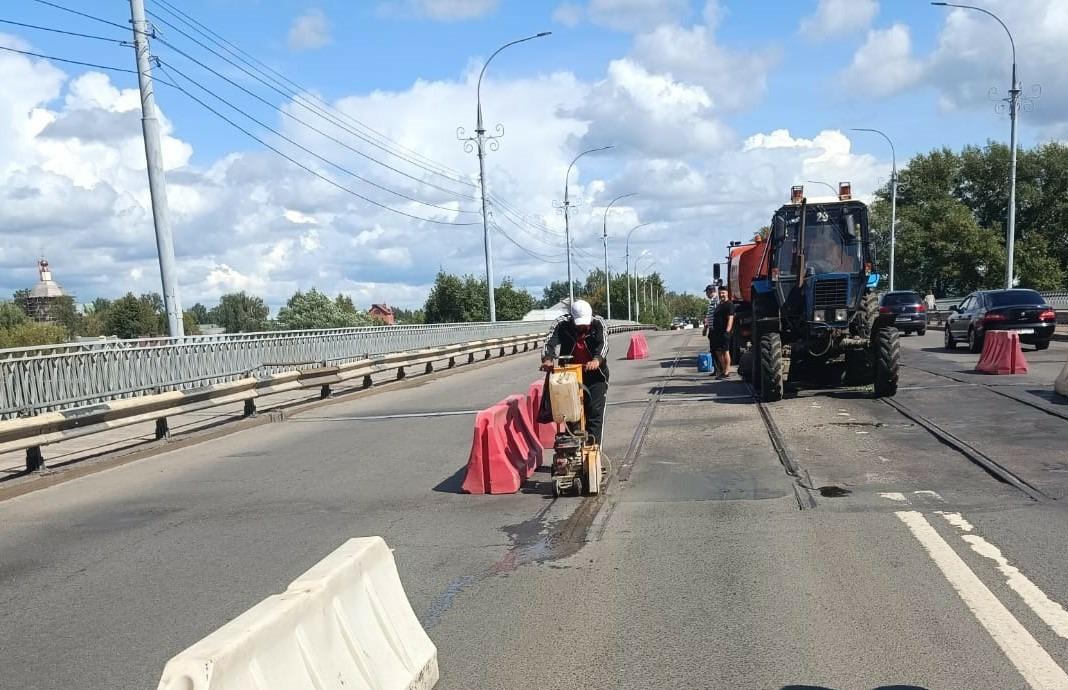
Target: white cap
582,313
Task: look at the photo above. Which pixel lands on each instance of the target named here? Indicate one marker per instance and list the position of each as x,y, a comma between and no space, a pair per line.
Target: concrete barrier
639,346
1060,386
346,623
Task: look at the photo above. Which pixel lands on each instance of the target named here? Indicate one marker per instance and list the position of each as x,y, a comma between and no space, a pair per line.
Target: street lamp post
893,196
629,317
567,221
825,184
637,285
604,239
480,142
1014,102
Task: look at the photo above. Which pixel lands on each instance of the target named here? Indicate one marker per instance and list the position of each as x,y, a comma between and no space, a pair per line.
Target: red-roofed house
382,312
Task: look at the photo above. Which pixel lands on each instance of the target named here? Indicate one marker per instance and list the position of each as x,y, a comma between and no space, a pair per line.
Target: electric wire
83,14
308,125
307,150
297,163
71,62
245,56
301,101
60,31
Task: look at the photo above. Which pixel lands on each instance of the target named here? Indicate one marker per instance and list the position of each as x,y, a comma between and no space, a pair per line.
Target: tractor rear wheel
887,361
772,376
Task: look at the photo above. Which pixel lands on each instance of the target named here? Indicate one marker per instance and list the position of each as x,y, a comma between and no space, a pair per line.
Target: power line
305,167
83,14
289,115
305,149
525,250
60,31
241,54
72,62
300,100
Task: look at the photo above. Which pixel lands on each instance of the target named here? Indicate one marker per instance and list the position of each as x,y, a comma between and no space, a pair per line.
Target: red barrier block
1002,354
546,432
504,450
639,348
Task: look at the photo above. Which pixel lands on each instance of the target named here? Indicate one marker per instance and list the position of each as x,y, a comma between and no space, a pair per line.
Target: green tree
22,299
65,313
11,315
345,304
512,304
199,313
557,291
454,299
409,316
313,309
133,317
189,324
28,334
239,312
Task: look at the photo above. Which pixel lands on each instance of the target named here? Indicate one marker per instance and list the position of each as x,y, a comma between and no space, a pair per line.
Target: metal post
567,222
479,141
604,238
893,198
1014,101
642,225
157,185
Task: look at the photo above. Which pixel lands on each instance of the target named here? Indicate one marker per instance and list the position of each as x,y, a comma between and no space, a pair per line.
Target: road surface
887,559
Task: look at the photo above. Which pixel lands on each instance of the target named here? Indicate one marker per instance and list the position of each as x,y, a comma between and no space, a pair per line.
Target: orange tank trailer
746,262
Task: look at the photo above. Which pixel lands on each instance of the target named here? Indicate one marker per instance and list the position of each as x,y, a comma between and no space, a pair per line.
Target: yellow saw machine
576,466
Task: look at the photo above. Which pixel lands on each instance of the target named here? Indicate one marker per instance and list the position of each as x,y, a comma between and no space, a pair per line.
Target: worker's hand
546,364
593,364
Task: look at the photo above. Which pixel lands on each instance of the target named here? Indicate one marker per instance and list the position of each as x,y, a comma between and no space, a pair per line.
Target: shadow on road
454,484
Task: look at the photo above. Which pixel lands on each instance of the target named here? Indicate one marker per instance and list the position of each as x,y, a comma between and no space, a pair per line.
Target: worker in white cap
583,337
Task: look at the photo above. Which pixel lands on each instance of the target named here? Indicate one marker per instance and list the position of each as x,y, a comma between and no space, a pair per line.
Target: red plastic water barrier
504,449
639,347
1002,354
546,432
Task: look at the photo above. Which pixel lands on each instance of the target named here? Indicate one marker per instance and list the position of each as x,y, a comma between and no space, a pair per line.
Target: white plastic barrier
346,623
1061,384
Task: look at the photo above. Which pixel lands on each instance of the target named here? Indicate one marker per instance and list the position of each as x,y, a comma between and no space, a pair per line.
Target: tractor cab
819,260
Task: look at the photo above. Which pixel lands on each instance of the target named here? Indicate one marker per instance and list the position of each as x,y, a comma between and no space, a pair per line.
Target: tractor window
829,247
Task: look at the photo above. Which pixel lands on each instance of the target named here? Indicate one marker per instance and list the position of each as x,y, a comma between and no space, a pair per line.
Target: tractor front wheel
887,361
772,376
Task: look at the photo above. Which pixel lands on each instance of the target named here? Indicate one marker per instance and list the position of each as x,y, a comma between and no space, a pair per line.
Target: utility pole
604,239
157,184
567,221
629,317
479,142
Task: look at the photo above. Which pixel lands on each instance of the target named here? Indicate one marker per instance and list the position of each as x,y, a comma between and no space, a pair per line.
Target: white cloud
839,17
441,10
309,31
884,64
568,14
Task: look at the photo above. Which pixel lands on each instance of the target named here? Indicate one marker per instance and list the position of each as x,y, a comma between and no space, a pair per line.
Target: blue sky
693,94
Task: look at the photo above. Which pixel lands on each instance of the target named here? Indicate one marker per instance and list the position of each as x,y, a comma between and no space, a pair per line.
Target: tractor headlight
818,317
841,314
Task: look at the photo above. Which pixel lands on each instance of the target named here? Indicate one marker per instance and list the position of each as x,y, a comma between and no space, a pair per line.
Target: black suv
1023,311
910,313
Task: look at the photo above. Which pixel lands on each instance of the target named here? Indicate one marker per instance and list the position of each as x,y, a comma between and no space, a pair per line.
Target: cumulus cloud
839,17
310,31
884,64
440,10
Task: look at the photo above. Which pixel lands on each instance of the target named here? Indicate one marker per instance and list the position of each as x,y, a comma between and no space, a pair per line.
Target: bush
29,334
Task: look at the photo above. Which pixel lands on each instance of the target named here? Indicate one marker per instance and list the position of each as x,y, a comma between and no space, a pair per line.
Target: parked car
908,308
679,323
1023,311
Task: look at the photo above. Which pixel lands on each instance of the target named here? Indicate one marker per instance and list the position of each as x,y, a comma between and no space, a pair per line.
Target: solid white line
1032,661
957,520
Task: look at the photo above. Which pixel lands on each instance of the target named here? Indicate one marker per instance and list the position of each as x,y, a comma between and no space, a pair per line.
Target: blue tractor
812,311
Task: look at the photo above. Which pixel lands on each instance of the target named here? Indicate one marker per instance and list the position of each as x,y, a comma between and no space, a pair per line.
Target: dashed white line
1032,661
957,520
894,496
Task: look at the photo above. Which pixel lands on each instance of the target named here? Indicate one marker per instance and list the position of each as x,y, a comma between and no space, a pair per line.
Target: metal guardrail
58,377
33,432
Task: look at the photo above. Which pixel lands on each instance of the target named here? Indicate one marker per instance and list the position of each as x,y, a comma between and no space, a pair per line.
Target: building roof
384,308
45,287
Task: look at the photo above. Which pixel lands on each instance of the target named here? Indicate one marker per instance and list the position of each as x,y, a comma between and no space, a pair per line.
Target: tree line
952,212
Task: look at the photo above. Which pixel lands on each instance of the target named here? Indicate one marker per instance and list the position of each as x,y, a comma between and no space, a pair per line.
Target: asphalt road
913,568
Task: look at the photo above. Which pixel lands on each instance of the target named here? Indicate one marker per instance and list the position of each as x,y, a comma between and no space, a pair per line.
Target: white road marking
895,496
957,520
1032,661
931,494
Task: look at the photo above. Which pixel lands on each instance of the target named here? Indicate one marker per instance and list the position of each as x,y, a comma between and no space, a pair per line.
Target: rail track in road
993,388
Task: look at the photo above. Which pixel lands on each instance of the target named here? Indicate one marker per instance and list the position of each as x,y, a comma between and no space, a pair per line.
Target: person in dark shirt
720,334
584,337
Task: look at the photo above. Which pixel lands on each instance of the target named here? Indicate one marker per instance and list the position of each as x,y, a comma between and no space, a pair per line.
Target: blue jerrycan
704,362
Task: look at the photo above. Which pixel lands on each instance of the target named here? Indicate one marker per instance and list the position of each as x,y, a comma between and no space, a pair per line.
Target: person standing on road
713,301
719,335
583,337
